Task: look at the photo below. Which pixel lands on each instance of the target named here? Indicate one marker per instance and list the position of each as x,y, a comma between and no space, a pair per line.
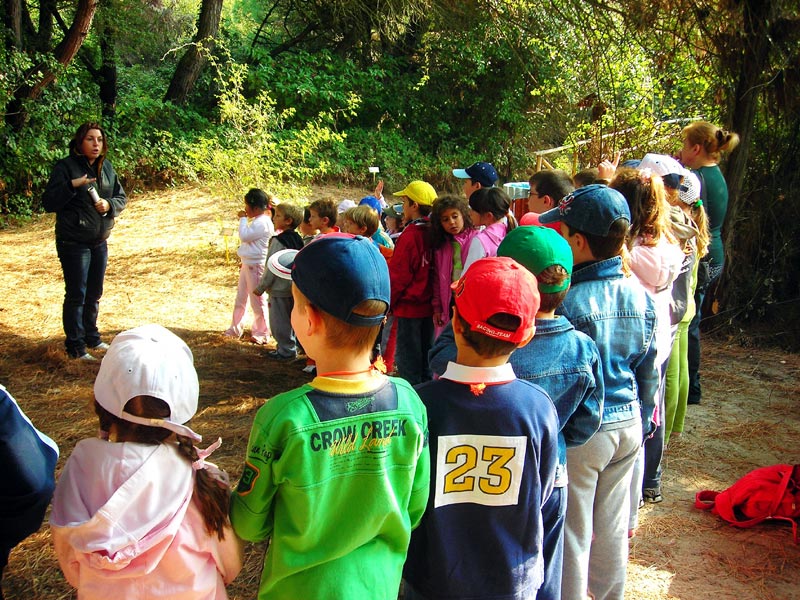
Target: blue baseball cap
482,172
372,202
591,209
339,271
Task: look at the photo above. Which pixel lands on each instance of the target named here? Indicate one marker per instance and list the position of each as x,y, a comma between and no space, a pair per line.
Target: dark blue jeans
654,445
84,267
414,339
693,349
554,514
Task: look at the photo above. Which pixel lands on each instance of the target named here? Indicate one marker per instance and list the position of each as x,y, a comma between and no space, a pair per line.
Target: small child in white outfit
137,512
255,231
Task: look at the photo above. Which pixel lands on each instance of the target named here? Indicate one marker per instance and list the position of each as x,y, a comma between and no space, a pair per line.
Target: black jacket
76,218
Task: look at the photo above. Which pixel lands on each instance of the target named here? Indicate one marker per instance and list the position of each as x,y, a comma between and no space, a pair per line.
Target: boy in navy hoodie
493,445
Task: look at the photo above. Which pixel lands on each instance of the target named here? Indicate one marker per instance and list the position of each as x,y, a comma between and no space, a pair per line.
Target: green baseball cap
537,248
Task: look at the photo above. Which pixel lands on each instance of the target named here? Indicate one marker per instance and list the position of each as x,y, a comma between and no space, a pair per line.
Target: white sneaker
86,357
100,346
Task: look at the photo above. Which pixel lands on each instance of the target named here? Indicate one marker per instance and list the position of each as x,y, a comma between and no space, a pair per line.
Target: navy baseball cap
482,172
339,271
591,209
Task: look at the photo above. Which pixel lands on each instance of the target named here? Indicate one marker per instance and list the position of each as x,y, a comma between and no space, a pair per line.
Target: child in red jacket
412,292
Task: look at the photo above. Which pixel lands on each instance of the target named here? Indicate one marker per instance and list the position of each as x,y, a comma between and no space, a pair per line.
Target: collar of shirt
488,375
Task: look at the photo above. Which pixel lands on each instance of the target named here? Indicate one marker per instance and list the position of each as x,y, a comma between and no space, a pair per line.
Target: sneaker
652,495
310,369
86,357
278,356
100,346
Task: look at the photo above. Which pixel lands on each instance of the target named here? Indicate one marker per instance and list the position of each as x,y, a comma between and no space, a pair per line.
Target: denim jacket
618,314
566,364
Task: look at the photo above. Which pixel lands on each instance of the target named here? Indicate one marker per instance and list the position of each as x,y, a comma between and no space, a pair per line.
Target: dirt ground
169,264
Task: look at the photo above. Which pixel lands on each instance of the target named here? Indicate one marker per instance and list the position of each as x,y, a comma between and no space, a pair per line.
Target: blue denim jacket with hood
618,314
566,364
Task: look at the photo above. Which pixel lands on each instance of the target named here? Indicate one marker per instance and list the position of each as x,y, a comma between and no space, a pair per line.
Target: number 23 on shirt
479,469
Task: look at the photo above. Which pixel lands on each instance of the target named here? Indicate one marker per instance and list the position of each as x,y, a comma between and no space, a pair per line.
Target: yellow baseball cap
420,192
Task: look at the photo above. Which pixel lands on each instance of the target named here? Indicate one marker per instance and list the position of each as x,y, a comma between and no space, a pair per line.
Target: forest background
283,94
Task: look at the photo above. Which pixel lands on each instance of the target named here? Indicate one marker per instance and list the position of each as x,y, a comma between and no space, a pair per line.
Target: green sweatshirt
337,475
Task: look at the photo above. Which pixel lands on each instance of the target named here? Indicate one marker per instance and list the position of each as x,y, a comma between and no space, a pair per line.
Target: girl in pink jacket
451,232
137,512
491,209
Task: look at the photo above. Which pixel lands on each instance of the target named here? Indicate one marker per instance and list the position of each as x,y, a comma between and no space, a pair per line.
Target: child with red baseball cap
493,446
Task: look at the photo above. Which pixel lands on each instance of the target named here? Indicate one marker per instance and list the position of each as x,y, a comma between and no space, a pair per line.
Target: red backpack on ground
766,493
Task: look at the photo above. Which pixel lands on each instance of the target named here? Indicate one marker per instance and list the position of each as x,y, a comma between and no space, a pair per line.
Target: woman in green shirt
703,145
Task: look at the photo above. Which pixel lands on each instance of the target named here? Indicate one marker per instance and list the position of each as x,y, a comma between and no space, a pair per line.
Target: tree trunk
192,62
44,38
753,64
16,113
108,75
12,19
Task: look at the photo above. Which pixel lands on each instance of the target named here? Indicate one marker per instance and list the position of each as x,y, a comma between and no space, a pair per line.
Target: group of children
512,474
608,349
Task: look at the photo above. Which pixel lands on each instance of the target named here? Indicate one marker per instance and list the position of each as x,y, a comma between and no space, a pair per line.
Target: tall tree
42,75
194,59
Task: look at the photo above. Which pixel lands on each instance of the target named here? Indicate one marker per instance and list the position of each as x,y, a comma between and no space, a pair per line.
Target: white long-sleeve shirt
254,235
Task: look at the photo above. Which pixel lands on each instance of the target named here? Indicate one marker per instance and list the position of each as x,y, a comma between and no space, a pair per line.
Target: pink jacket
443,272
124,525
485,243
656,267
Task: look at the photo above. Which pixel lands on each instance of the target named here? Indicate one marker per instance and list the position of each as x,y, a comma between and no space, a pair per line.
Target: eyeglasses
534,194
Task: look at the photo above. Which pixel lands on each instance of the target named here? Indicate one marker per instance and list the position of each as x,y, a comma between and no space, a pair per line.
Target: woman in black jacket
86,195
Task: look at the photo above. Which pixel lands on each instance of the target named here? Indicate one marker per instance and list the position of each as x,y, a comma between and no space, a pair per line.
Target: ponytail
726,141
211,494
701,221
511,221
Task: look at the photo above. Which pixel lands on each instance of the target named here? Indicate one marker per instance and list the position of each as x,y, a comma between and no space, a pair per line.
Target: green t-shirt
714,193
337,475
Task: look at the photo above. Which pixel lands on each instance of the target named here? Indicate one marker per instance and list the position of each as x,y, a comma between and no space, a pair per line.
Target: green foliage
252,148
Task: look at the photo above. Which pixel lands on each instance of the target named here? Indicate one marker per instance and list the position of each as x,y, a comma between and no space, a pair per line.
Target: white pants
249,278
598,507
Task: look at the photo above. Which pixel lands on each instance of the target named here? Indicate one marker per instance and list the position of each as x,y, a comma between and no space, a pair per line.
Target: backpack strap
705,500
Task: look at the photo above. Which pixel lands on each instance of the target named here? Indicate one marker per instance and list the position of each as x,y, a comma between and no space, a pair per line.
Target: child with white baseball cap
137,511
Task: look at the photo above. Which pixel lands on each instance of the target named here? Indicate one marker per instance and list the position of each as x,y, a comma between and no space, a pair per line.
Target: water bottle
93,194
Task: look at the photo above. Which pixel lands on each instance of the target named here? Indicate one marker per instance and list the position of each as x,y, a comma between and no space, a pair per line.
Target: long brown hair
211,495
80,135
647,203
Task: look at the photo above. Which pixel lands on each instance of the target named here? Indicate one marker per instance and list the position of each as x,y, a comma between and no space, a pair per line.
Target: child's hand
241,214
378,189
438,319
607,168
258,292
